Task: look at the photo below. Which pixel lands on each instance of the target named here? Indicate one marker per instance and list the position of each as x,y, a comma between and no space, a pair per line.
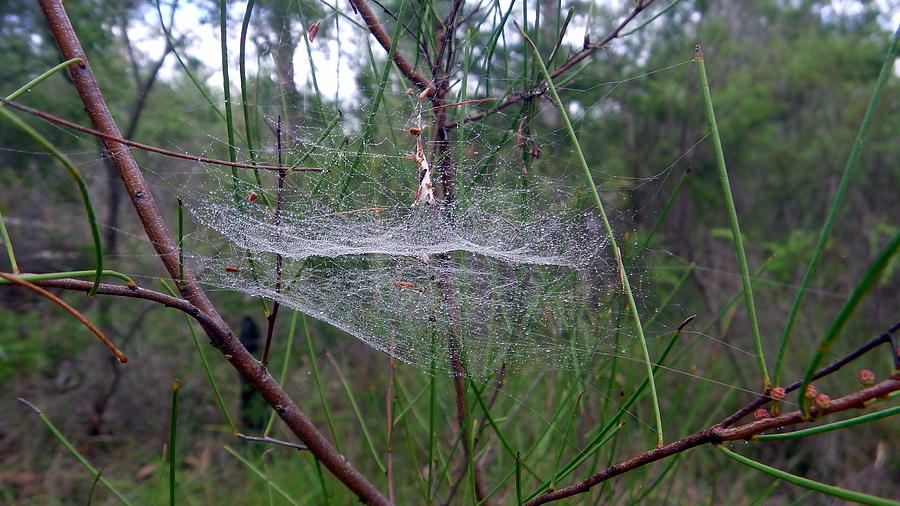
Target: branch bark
216,329
377,30
719,434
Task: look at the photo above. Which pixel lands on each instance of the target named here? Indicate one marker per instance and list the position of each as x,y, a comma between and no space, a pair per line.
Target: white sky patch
333,74
334,60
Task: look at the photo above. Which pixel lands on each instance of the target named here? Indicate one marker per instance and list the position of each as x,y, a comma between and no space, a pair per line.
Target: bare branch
216,329
74,312
375,27
118,139
541,87
719,434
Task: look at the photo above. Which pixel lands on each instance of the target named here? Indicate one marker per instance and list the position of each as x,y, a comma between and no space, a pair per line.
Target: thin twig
541,87
146,147
276,219
718,434
74,312
271,440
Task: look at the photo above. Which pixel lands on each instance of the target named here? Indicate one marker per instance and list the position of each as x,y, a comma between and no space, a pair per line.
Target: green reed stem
317,379
261,475
733,219
359,418
816,486
666,208
292,331
173,431
82,189
603,435
812,431
840,321
37,80
84,462
652,18
612,238
226,90
9,247
209,375
71,274
837,201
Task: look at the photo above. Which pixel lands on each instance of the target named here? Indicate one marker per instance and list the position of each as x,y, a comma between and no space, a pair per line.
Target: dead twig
74,312
271,440
146,147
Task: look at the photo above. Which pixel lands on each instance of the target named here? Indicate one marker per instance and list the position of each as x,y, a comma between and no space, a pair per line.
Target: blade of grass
84,462
359,418
261,475
666,208
837,201
313,363
37,80
33,278
173,431
603,434
840,321
812,431
209,375
9,247
732,218
226,91
518,478
79,181
612,238
561,36
842,493
651,19
284,366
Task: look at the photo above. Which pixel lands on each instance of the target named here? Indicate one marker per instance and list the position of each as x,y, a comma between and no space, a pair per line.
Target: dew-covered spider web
514,272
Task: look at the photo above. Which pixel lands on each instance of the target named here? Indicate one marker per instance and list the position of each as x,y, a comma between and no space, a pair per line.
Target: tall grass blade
849,171
96,473
173,432
841,493
79,181
840,321
732,218
263,476
209,375
612,238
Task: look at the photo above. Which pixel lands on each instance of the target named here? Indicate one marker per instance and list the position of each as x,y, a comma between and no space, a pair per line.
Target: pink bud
866,377
761,414
252,196
811,391
777,393
823,401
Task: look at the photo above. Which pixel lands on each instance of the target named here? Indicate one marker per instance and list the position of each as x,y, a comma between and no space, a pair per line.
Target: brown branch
118,139
764,399
375,27
74,312
719,434
541,87
216,329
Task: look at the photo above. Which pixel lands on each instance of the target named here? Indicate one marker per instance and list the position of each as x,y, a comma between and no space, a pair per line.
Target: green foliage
790,84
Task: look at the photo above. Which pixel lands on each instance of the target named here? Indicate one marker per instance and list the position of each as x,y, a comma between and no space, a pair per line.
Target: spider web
514,272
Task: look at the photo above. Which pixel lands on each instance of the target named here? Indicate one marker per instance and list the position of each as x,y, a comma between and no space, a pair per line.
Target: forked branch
157,231
721,432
